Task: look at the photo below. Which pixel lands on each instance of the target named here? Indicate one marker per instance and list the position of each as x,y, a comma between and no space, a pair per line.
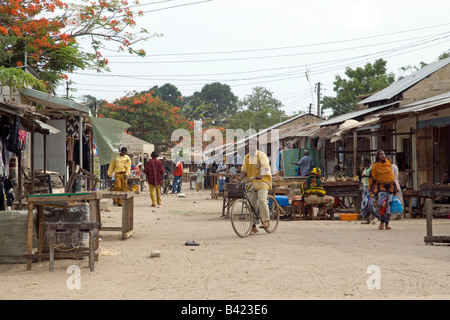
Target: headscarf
381,176
313,184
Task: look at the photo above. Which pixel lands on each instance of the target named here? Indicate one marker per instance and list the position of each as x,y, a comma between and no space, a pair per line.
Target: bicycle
244,216
166,186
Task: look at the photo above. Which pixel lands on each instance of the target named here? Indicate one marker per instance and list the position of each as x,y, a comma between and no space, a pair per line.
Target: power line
177,6
297,46
265,57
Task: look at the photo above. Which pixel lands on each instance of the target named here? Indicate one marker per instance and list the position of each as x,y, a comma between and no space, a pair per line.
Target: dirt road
301,260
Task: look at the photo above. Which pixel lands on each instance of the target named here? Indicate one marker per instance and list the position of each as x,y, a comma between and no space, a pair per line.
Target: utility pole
318,97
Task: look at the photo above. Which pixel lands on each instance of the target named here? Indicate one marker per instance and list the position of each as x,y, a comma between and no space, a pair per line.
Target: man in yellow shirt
121,168
256,168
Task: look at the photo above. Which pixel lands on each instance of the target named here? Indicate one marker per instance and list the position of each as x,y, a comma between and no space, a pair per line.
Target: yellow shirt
252,166
120,164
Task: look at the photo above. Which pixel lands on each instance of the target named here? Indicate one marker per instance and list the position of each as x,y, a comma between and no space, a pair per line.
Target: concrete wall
436,83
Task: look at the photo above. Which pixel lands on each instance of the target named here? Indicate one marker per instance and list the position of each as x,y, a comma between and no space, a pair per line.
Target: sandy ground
301,260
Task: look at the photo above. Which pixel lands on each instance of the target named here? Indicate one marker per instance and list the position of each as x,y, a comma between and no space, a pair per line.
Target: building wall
306,119
436,83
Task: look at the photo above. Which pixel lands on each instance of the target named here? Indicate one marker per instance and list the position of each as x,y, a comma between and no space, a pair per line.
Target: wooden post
355,147
429,213
30,235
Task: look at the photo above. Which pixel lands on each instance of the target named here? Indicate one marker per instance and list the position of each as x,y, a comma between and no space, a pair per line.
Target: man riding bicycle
256,168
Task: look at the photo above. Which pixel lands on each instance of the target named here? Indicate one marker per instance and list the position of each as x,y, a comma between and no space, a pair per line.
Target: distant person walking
120,168
200,175
154,171
382,183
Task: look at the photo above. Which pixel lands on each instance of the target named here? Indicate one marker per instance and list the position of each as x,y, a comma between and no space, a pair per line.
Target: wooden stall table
290,186
62,200
215,181
127,212
91,228
134,182
432,209
230,194
408,195
345,189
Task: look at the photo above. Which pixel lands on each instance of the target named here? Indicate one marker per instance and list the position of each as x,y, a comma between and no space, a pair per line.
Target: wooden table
215,179
134,181
54,228
346,189
408,195
127,212
63,200
230,194
432,209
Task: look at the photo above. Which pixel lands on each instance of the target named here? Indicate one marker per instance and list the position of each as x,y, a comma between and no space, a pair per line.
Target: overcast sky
272,44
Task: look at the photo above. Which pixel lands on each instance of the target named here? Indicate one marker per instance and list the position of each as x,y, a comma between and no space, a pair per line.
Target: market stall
434,195
348,193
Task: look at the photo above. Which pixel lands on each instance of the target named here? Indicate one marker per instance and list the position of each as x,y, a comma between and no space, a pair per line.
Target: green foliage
151,119
17,78
259,109
361,81
217,100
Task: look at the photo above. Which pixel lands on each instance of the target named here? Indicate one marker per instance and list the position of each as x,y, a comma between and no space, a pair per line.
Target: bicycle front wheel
274,214
241,218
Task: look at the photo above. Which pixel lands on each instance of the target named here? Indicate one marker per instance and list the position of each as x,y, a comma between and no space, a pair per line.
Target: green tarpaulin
108,134
294,155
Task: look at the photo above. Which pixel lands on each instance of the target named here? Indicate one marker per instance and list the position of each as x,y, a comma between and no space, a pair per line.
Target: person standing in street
382,183
367,207
120,168
200,175
154,171
177,175
305,165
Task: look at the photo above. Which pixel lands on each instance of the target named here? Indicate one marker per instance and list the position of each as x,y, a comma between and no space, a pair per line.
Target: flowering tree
151,119
44,33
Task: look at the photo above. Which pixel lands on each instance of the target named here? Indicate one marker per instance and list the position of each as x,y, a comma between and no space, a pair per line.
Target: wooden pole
429,216
355,150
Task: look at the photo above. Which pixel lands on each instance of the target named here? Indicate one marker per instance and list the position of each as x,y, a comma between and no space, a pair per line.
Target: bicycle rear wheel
241,218
274,214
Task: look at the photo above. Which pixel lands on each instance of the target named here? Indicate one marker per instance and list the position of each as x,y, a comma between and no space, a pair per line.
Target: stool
303,209
72,227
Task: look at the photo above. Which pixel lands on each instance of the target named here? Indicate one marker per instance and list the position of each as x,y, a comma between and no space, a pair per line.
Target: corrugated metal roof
421,105
312,130
353,115
407,82
54,104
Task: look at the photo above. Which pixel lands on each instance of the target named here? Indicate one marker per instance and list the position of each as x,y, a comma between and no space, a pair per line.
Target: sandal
265,225
388,228
381,227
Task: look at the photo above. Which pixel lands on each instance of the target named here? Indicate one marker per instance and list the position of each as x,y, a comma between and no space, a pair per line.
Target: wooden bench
127,212
430,212
300,208
62,200
72,228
